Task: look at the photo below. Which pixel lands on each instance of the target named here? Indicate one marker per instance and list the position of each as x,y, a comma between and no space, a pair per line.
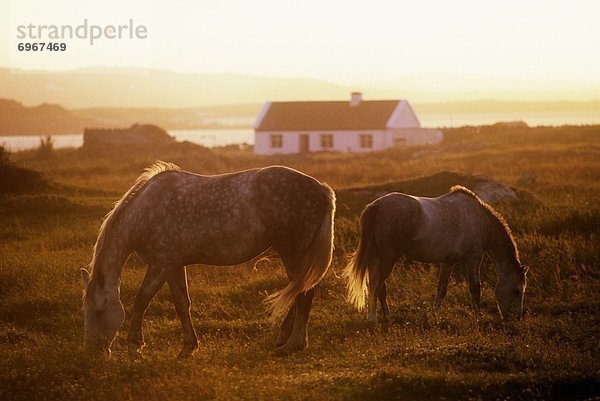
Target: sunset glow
546,42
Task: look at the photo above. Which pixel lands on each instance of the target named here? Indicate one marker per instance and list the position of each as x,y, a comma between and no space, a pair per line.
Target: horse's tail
365,256
317,261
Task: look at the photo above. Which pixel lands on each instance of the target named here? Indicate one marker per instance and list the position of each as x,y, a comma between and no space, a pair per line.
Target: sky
345,42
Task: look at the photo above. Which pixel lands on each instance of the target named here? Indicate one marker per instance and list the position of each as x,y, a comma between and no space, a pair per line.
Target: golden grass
422,354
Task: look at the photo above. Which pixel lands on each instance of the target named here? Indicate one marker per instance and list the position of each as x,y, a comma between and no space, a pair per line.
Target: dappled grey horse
457,227
173,218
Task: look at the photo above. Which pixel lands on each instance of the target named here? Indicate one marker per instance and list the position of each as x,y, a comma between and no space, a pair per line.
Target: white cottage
338,126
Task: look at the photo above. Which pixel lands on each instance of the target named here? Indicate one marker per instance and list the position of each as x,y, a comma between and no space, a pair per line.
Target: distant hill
52,119
45,119
148,88
120,87
216,117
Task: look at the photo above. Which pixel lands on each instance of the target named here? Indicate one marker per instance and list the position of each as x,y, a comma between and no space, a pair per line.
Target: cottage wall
343,141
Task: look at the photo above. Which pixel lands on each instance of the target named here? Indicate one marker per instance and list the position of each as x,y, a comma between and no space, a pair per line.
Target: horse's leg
374,288
474,281
293,335
386,267
286,327
181,298
443,279
153,281
298,339
285,330
385,309
378,288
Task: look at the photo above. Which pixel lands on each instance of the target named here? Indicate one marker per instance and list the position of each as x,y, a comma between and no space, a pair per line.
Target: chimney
355,99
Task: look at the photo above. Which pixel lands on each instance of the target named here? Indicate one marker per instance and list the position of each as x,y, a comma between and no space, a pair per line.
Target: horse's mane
155,169
493,213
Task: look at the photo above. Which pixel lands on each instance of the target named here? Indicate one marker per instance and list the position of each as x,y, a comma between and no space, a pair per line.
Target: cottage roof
329,115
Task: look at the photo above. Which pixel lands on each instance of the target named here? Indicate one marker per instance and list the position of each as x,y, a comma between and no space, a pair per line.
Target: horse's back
222,219
394,218
286,180
426,229
397,204
450,229
293,203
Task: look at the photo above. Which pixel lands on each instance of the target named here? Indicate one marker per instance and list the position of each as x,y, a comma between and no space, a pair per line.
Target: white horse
457,227
172,218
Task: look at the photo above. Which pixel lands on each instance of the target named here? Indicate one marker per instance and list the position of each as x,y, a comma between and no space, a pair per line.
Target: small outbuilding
338,126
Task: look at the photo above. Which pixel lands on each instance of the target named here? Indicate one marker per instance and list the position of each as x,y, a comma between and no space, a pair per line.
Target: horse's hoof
135,352
135,356
187,351
281,341
290,348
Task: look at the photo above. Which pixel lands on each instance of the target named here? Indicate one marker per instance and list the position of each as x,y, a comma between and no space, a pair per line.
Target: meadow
49,222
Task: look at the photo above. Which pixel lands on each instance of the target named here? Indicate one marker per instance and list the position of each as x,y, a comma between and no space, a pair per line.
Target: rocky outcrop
353,200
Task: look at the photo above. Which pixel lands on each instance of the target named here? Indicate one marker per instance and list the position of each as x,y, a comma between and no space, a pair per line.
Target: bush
4,155
18,180
46,148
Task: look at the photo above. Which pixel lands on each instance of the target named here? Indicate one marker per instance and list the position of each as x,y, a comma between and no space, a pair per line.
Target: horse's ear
525,269
85,276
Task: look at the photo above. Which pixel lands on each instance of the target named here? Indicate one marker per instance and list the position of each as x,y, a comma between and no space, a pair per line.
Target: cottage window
366,141
326,141
277,141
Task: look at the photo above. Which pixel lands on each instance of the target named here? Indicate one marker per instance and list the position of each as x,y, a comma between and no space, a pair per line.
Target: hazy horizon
94,87
426,51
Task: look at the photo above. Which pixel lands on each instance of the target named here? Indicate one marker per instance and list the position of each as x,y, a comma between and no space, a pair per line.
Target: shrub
46,148
4,155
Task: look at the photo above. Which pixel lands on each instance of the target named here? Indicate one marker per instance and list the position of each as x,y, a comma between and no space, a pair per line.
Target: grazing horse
173,218
457,227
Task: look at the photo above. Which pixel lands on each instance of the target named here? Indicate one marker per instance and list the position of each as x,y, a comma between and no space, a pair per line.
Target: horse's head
103,314
510,291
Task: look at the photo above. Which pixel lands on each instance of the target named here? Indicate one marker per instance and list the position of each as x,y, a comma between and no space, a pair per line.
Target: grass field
48,228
